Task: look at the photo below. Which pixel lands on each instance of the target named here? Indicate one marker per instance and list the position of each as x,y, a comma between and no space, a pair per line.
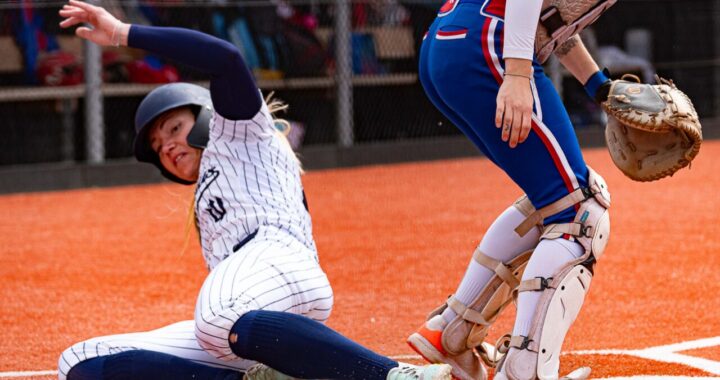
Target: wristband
115,37
598,86
518,75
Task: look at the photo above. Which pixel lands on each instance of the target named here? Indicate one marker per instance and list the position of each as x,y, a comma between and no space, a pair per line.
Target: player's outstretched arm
232,86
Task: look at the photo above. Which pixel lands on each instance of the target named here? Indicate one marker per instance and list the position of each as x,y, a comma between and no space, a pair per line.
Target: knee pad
591,225
470,326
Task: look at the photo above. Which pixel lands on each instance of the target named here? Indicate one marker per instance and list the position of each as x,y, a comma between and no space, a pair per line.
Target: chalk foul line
669,354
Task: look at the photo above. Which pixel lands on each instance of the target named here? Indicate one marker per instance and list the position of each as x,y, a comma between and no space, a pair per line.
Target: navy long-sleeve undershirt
234,93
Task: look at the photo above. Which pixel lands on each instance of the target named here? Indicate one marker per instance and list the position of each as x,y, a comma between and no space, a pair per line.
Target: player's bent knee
213,339
563,293
212,331
68,363
591,225
65,363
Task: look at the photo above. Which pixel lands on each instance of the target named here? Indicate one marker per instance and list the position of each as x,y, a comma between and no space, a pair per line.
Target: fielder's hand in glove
653,130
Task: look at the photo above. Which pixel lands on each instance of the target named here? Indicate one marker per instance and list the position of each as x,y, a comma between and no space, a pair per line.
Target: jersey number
216,210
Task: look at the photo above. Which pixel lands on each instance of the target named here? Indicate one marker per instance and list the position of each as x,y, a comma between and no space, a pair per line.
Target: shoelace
492,359
258,372
412,371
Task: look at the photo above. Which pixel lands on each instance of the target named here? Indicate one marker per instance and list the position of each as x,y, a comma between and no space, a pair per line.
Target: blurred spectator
31,37
422,14
59,68
619,62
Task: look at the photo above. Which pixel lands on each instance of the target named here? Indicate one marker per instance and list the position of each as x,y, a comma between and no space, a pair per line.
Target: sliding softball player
266,298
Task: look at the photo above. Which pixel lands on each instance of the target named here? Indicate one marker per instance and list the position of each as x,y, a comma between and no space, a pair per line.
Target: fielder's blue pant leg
438,102
461,69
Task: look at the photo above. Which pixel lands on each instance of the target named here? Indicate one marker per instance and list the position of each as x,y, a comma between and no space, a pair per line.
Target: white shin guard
564,304
538,355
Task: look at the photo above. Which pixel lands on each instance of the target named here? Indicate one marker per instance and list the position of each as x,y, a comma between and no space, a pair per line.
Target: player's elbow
232,59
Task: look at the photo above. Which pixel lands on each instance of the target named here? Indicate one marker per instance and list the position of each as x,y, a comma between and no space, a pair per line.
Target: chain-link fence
347,69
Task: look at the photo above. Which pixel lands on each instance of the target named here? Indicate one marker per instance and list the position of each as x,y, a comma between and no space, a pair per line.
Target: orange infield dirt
394,241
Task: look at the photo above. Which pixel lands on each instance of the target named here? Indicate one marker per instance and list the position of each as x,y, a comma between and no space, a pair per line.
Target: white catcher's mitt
653,130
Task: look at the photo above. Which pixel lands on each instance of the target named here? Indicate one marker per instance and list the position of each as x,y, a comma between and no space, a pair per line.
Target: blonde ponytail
189,223
282,126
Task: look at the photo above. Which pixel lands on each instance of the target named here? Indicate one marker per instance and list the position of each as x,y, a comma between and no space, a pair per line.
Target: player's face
168,138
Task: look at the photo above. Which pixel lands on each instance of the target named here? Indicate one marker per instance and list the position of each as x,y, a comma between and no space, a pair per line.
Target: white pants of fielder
272,272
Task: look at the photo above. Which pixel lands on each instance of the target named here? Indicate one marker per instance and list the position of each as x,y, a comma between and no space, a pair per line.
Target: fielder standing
478,67
266,297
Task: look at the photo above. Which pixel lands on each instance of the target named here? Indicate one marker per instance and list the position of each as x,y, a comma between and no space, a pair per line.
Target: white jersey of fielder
249,184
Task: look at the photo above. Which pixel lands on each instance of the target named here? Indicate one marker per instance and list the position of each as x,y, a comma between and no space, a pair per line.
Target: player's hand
514,106
106,30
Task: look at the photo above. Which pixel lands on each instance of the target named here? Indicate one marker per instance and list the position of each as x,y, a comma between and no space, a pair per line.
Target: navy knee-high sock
147,365
301,347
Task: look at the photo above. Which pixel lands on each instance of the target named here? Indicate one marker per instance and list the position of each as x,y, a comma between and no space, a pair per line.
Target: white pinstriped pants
271,272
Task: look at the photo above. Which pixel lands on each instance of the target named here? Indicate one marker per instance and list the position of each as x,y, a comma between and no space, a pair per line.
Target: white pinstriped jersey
249,186
249,179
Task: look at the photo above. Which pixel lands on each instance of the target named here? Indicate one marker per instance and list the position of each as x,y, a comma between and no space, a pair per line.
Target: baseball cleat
260,371
427,372
427,342
581,373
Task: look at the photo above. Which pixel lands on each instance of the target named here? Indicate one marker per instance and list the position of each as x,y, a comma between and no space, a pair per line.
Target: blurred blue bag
364,57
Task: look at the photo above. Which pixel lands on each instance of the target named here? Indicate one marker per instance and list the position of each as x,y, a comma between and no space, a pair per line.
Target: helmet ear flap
200,133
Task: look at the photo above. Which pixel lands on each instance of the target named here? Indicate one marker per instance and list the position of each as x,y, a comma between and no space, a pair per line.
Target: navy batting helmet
166,98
